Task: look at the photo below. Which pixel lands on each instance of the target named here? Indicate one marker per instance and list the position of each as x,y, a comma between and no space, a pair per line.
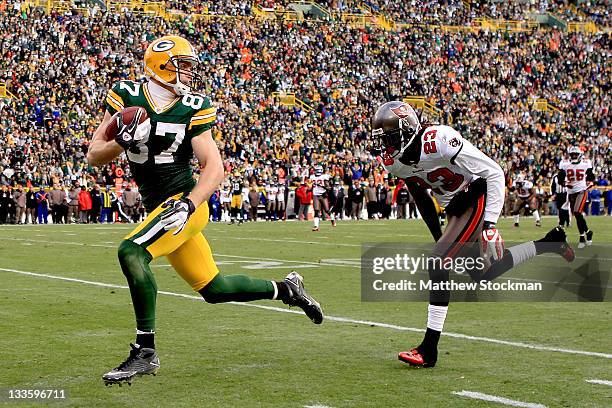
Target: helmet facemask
575,155
174,65
395,127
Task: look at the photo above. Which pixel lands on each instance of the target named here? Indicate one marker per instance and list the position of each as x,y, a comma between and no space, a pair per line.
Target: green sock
134,261
237,288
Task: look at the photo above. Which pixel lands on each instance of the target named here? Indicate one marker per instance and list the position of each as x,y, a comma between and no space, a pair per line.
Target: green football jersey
160,161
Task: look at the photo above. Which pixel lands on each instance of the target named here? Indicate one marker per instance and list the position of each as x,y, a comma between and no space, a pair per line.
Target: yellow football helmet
163,58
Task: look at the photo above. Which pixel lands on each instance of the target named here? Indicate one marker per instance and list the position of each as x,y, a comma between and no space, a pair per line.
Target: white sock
316,222
522,252
536,215
516,219
332,217
436,316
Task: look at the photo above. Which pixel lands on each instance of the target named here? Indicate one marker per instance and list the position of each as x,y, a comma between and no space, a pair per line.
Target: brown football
127,115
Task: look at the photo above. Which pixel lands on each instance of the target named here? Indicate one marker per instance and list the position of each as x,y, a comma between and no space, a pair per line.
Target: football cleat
315,229
589,238
141,361
516,224
538,224
557,240
415,359
582,242
333,223
300,298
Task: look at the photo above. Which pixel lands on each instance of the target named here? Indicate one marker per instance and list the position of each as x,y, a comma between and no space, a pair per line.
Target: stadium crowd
59,67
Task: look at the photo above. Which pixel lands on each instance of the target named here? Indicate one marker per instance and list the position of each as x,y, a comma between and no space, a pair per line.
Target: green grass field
57,332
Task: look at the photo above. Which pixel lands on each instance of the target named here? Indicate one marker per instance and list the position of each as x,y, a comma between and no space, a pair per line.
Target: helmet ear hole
162,66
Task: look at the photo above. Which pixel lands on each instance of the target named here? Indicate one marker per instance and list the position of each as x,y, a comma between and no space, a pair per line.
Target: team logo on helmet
163,45
402,111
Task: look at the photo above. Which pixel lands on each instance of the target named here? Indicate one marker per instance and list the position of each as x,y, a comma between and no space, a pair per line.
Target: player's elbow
92,159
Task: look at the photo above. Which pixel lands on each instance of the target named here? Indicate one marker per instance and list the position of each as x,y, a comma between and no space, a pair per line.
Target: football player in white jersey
470,186
280,200
320,202
577,175
525,200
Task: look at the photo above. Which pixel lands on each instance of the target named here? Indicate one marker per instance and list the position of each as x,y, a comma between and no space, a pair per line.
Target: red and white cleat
414,358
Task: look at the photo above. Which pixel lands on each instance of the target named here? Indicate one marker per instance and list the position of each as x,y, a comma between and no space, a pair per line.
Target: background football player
320,185
236,203
159,152
471,188
559,195
526,200
577,175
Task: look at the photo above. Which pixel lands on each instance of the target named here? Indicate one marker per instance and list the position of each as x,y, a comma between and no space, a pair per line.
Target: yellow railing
4,93
543,105
589,28
422,103
289,99
505,25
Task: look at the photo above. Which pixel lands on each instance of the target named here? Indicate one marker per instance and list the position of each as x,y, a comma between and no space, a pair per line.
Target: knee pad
130,255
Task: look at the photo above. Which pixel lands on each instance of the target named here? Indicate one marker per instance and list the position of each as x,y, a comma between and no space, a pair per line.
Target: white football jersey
318,183
447,165
270,193
523,188
225,196
575,175
280,196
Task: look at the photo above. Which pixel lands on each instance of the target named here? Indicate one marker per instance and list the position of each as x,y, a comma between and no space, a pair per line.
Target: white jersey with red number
318,184
575,175
448,164
523,188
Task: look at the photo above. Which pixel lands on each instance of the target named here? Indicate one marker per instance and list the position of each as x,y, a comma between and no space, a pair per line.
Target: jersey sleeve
114,101
563,165
202,119
449,141
476,162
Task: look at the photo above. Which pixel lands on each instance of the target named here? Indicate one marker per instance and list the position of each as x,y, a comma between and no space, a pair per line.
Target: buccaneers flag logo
401,111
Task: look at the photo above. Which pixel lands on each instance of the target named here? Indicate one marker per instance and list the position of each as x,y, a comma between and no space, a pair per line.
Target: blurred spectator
85,205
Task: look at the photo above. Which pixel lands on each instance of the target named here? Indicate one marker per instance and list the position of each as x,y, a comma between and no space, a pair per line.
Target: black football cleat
589,238
141,361
300,298
415,358
556,241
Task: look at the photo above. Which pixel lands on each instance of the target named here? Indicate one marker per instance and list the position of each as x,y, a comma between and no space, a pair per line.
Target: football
128,115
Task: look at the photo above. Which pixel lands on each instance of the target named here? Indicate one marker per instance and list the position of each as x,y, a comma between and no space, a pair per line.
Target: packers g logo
163,45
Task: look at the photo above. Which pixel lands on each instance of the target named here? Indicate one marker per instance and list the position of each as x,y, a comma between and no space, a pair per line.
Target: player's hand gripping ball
128,127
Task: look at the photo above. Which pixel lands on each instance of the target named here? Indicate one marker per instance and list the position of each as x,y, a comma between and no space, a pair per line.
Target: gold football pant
188,251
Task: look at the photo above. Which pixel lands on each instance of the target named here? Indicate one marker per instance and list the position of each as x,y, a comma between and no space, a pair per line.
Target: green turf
60,334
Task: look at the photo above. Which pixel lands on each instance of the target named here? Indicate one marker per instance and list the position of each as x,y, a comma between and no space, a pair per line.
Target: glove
492,242
127,135
177,214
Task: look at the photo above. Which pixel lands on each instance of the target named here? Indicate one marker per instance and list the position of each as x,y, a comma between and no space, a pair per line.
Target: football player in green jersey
159,151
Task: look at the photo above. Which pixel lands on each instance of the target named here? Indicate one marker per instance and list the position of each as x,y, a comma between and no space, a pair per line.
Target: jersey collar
152,104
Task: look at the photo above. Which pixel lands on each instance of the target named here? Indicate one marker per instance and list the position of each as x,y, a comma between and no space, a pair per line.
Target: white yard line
601,382
215,254
302,264
499,400
335,318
